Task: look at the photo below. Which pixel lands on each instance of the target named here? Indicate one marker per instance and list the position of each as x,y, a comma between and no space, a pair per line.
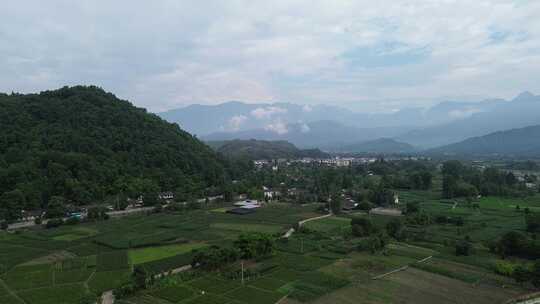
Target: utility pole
242,262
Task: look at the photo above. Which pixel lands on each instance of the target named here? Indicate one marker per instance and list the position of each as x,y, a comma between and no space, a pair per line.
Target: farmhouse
270,194
166,196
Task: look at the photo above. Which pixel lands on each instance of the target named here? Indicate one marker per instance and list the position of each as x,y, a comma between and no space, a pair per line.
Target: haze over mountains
522,142
335,128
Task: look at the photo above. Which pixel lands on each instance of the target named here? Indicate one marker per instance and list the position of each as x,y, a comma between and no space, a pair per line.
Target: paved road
28,224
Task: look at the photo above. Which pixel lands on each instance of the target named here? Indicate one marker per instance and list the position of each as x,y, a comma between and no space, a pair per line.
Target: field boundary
11,292
302,222
400,269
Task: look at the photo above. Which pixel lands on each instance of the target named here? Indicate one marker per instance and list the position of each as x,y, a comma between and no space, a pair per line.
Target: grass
76,234
248,294
145,255
72,276
27,277
114,260
173,294
267,283
106,280
213,285
64,294
169,263
329,224
208,299
270,229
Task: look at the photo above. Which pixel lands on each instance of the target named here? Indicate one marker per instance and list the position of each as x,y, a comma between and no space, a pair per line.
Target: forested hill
84,144
516,142
263,149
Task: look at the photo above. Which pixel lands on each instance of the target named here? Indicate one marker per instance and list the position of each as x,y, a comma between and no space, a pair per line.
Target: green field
145,255
319,266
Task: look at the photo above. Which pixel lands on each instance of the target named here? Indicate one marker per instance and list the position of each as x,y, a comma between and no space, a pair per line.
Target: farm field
319,266
90,258
149,254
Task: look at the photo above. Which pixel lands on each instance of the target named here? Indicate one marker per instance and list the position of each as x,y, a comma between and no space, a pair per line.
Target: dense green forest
83,144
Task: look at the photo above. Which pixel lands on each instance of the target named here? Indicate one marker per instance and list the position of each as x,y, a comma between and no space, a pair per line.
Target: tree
521,274
532,221
336,204
362,227
142,277
512,243
56,207
251,245
395,229
11,204
463,247
413,207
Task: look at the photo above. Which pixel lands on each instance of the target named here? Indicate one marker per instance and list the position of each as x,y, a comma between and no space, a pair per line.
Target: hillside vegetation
84,144
262,149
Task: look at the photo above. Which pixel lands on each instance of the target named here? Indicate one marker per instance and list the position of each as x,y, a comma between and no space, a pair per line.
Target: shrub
504,268
362,227
463,248
53,223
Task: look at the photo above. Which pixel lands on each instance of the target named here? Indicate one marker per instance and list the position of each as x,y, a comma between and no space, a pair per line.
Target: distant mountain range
378,146
262,149
320,134
522,111
237,116
515,142
335,128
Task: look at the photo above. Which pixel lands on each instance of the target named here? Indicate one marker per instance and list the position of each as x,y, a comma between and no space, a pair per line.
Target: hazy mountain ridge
318,134
329,127
517,142
238,116
378,146
522,111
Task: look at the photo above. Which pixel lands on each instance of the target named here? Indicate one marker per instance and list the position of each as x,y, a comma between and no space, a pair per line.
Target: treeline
466,181
84,145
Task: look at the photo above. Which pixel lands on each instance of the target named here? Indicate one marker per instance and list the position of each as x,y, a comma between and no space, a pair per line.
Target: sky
379,55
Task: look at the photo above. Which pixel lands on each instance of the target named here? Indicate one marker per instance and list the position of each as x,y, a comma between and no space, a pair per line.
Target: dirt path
400,269
173,271
107,297
291,231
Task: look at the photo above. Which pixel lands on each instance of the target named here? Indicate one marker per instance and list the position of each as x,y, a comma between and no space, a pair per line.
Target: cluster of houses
331,162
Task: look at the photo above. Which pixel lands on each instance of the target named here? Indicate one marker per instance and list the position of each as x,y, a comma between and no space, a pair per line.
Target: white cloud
213,51
267,112
236,122
277,126
307,108
459,114
304,128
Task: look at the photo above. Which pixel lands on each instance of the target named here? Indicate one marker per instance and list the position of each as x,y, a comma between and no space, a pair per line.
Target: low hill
517,142
379,146
83,144
318,134
262,149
